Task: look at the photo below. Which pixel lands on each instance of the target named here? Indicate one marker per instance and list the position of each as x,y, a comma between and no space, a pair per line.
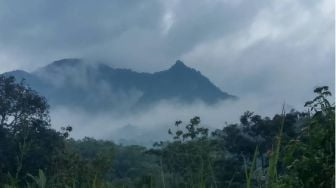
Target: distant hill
72,82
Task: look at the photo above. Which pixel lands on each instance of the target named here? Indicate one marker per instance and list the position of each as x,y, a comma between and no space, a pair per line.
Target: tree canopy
293,149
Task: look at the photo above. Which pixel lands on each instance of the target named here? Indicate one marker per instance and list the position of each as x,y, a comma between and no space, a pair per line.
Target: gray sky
277,50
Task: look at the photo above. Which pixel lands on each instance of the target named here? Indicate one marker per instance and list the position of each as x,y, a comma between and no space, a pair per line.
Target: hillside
73,82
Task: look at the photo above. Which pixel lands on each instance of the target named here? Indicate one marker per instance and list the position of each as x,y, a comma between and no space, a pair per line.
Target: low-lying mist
151,125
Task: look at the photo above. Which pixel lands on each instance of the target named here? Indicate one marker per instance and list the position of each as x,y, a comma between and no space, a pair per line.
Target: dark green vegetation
99,87
294,149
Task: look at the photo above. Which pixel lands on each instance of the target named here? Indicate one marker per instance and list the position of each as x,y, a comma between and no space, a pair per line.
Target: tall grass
40,180
271,176
249,172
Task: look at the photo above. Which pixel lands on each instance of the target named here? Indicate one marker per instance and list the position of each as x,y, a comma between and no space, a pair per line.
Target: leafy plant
40,180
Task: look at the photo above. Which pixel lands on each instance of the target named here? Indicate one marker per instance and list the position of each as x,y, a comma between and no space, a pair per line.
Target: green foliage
40,180
188,160
27,142
272,171
310,157
294,149
249,172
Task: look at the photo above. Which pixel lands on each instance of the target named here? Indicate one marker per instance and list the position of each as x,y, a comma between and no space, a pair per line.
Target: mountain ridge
74,82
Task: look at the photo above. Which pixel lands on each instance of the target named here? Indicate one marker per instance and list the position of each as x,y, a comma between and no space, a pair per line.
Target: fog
264,52
151,125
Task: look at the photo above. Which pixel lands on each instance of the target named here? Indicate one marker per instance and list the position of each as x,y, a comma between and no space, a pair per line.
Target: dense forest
291,149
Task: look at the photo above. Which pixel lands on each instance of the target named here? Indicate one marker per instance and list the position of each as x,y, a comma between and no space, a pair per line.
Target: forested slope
291,149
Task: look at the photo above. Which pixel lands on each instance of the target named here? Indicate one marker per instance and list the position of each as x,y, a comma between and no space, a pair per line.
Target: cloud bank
152,125
263,51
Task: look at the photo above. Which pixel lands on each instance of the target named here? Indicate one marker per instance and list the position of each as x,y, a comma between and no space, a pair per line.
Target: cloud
265,52
152,125
283,53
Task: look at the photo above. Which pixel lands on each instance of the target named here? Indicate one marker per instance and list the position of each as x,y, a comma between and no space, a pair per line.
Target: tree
188,160
27,141
310,157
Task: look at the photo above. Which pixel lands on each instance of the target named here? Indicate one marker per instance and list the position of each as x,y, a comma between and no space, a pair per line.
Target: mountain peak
74,82
68,62
179,65
61,65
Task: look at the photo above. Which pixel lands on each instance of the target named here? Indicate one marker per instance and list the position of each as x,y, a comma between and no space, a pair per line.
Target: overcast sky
279,49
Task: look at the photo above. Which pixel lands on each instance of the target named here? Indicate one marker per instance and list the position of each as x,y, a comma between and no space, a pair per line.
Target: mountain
73,82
